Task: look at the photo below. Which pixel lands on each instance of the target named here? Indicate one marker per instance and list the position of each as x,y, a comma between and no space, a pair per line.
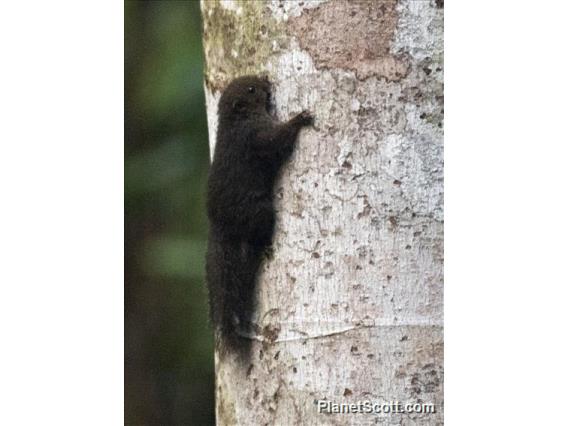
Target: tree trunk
350,306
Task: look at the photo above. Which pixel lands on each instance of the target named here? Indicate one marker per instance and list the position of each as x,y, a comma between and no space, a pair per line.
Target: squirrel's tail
231,270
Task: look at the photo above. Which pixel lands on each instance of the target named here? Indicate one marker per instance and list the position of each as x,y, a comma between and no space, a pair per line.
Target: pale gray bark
351,306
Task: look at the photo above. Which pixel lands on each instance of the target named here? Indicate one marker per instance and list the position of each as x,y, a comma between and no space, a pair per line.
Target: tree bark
351,304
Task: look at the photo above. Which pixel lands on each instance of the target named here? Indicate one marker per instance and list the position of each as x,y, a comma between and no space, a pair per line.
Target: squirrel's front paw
305,118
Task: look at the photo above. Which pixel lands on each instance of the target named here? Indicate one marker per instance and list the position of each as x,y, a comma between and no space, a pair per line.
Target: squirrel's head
248,94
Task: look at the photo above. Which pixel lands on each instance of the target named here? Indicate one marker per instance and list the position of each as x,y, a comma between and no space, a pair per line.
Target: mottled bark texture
350,307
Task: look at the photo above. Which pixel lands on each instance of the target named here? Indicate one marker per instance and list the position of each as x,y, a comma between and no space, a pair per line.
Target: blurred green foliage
168,344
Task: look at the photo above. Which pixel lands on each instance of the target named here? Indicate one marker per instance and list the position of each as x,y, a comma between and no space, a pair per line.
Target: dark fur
251,149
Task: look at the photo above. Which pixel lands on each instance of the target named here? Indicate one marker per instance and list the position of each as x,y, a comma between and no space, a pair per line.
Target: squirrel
250,150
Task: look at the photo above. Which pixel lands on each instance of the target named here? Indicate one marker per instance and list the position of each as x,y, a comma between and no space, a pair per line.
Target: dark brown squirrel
250,150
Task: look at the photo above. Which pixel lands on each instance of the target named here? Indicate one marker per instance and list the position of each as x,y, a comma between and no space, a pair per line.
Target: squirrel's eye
251,89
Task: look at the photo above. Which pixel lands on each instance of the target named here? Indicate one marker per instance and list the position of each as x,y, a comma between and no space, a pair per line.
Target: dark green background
168,344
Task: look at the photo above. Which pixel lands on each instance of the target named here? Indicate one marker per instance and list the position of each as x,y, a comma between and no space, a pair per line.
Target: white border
506,208
61,213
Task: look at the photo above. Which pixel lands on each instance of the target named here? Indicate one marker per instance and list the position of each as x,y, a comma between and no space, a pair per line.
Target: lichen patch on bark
238,37
352,35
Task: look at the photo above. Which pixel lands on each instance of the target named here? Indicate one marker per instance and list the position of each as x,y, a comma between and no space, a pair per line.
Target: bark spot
393,221
354,35
366,209
270,333
428,380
